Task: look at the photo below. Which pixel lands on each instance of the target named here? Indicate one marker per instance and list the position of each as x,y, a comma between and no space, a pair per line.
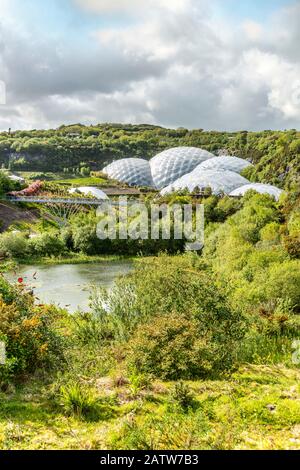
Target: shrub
85,239
291,244
168,431
270,233
47,244
177,320
79,401
182,396
173,347
29,331
90,329
283,282
138,382
6,184
14,245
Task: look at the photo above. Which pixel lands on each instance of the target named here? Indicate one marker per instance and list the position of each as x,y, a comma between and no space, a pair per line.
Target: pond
69,285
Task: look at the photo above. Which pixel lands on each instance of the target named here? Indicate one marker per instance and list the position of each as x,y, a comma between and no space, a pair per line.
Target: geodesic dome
258,187
218,181
133,171
224,163
16,178
171,164
89,190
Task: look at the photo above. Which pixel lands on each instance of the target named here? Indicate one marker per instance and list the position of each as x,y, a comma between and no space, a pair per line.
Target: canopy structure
90,191
218,181
132,171
171,164
16,178
258,187
224,163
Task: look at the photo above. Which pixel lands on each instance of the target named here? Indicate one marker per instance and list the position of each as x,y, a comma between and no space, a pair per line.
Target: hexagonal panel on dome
133,171
171,164
218,181
258,187
224,163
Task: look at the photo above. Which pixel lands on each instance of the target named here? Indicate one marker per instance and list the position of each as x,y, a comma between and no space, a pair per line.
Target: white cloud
174,64
279,77
130,6
253,30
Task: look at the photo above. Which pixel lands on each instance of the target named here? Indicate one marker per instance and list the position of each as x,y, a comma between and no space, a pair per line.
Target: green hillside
276,154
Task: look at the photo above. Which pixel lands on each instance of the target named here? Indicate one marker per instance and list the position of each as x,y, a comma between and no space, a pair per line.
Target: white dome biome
132,171
258,187
16,178
89,191
171,164
224,163
218,181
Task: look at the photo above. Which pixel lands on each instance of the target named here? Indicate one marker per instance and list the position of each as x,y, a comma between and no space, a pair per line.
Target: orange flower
31,322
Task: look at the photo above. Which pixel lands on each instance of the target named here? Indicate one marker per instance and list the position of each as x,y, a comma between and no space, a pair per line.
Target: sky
213,64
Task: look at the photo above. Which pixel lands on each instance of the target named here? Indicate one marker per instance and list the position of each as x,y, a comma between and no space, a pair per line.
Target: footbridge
62,208
57,200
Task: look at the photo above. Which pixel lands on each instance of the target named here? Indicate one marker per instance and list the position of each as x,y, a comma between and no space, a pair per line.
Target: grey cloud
179,69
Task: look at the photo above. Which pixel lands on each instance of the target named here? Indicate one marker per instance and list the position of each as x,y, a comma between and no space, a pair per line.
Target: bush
85,239
174,347
291,244
90,328
177,320
181,395
6,184
14,245
283,282
165,431
47,244
30,334
138,383
79,401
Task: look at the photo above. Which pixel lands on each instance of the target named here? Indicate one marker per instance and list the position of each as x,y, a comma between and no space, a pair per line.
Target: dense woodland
276,154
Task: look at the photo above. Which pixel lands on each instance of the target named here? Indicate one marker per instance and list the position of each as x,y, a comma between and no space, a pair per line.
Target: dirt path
9,214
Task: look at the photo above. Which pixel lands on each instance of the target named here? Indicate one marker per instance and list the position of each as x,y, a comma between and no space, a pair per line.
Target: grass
83,181
48,174
64,178
258,407
75,258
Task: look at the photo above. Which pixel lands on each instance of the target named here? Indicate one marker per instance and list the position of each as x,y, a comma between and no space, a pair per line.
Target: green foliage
249,254
173,347
30,333
85,238
274,153
6,184
91,328
155,432
218,209
46,244
80,401
85,171
138,382
14,245
178,321
19,245
182,396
